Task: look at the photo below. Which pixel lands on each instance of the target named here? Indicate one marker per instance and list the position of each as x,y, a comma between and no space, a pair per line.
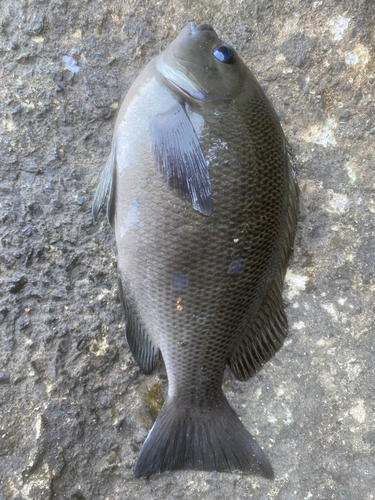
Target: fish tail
209,438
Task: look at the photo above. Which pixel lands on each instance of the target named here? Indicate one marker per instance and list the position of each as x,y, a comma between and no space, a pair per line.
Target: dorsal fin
267,331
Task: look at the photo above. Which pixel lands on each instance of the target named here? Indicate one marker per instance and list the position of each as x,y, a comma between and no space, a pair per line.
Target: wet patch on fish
180,283
236,267
217,147
203,317
131,219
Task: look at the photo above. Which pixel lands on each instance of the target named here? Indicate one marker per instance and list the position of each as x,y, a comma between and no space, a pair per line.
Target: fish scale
203,200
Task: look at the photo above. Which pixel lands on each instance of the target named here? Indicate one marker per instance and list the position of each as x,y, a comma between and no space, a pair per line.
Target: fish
200,188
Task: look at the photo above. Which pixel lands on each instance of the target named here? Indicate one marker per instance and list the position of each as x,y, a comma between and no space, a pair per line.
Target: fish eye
223,53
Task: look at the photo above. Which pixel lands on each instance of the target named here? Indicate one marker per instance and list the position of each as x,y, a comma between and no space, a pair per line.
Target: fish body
203,199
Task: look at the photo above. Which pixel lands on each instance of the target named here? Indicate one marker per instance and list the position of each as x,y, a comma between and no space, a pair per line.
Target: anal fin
143,349
264,337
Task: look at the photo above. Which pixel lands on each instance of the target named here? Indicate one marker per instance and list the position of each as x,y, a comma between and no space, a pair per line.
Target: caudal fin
201,439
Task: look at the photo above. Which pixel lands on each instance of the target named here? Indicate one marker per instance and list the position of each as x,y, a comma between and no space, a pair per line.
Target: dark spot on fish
180,283
236,267
204,379
193,387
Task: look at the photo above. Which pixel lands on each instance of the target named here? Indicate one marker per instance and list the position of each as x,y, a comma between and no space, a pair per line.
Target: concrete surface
74,409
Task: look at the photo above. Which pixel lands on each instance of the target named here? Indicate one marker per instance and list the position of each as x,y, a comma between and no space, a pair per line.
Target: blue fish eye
223,53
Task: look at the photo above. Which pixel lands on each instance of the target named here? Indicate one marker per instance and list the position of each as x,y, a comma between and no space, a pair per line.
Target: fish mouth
201,27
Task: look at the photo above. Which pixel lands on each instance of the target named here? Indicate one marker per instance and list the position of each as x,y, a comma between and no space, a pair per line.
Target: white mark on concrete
280,391
351,58
327,381
326,136
41,482
300,325
38,427
353,368
296,282
338,25
359,411
37,39
70,64
321,134
49,388
77,34
359,55
11,488
330,308
99,346
338,202
289,418
8,124
351,173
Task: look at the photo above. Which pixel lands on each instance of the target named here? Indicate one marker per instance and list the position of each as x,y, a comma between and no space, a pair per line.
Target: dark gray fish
202,195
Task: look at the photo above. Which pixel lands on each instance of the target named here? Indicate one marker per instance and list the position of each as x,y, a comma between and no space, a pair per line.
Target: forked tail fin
201,439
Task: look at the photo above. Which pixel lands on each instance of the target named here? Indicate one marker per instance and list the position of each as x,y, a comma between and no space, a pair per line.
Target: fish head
200,66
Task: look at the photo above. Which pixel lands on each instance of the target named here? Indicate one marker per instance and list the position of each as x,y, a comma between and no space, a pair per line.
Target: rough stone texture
74,408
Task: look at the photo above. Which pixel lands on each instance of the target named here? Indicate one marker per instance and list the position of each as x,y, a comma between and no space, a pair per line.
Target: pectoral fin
179,157
106,189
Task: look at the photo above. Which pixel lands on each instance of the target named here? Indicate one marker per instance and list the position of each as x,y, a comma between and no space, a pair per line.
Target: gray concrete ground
74,409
